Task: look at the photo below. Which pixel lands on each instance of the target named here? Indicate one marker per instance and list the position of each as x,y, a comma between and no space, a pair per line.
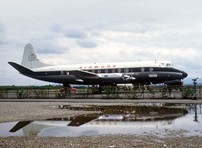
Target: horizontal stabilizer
19,126
20,68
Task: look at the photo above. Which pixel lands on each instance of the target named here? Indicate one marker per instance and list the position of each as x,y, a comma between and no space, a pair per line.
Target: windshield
167,64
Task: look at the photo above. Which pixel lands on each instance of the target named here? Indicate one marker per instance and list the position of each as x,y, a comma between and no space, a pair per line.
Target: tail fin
30,59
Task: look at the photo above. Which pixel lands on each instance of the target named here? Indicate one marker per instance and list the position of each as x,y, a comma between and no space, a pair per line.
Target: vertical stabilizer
29,59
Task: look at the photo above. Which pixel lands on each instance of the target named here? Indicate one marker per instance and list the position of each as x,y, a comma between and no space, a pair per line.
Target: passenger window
102,71
106,70
150,69
142,69
119,70
126,70
130,70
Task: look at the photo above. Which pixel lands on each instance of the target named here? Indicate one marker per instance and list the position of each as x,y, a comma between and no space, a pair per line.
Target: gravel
20,111
106,141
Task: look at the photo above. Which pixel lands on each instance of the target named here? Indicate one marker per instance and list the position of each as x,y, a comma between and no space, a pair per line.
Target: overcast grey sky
69,32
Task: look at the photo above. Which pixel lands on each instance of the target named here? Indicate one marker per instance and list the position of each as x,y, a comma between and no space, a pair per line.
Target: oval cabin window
119,70
126,70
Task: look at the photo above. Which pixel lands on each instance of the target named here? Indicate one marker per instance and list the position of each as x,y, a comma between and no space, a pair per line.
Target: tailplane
30,59
21,69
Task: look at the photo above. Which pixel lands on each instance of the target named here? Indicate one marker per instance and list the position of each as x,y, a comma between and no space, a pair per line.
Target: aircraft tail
30,59
21,69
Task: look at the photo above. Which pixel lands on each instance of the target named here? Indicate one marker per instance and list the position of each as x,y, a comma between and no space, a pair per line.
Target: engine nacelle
116,76
110,75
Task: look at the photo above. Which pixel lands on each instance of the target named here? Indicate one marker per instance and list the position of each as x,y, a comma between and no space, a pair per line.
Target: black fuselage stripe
115,70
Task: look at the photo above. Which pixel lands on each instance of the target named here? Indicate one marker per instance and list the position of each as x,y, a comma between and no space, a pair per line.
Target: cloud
75,33
49,47
104,31
43,37
3,38
55,28
81,37
87,43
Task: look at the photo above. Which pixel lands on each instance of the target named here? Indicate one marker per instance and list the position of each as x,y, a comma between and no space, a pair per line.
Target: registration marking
153,75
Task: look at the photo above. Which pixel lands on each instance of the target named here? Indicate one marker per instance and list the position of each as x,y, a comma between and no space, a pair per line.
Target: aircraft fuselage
115,75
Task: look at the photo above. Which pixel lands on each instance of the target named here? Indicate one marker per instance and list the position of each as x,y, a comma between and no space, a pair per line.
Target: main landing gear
67,89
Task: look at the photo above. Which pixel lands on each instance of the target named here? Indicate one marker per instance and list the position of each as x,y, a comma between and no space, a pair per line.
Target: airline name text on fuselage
97,66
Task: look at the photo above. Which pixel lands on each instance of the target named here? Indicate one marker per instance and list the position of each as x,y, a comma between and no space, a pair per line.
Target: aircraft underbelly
57,78
154,77
141,77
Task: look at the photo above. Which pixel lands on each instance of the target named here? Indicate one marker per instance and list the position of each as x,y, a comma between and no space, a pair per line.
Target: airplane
91,121
103,74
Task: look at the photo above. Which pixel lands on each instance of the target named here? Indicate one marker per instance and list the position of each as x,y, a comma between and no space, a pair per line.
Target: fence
152,92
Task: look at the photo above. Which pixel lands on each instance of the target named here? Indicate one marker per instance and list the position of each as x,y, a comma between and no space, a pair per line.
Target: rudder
30,59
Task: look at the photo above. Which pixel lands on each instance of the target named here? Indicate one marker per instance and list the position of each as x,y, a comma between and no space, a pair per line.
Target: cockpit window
169,65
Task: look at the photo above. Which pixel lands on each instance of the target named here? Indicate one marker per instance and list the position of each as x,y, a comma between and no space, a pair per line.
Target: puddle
112,120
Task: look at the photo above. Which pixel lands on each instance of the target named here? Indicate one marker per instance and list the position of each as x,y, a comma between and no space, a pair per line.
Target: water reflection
111,125
99,124
19,125
196,116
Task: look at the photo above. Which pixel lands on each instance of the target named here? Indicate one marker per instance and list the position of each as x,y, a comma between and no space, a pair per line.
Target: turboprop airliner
139,72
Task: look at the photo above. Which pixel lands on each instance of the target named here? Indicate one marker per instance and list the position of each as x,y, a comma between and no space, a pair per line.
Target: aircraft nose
184,74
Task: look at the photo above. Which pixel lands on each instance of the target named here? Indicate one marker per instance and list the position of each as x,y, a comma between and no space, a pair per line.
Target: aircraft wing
84,74
82,119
